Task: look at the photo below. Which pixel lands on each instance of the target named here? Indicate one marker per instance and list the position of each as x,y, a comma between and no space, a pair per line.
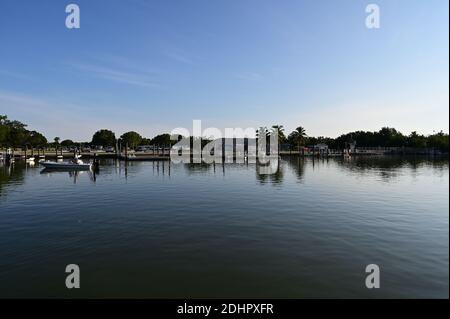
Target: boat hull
66,166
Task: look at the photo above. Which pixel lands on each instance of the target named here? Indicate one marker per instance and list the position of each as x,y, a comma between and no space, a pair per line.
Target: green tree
67,143
416,140
132,138
162,139
280,129
298,136
281,137
439,141
36,139
4,130
15,134
18,133
104,138
146,141
262,132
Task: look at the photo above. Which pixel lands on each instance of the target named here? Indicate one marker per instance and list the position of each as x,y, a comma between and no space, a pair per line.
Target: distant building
320,147
144,148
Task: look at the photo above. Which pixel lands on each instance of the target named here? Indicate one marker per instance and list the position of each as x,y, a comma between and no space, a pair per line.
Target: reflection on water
73,174
387,167
155,229
11,174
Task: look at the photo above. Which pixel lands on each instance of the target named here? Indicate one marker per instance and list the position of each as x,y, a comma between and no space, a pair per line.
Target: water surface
145,229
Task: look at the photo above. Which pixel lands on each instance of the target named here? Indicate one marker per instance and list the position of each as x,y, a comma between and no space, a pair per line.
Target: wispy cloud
57,116
249,76
116,74
14,99
15,75
179,56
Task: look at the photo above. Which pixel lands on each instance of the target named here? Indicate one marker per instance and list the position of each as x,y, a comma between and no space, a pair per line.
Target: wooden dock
137,156
144,157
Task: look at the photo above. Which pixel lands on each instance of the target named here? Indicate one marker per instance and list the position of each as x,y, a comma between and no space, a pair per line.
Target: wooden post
96,164
223,150
234,149
257,146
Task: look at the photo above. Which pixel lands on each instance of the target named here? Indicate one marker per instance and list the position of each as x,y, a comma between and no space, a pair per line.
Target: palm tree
56,139
281,137
262,132
299,135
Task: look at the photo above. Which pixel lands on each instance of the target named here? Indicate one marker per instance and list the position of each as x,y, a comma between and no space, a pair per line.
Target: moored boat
75,164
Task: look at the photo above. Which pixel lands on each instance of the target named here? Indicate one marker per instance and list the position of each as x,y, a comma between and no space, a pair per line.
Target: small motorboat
75,164
30,159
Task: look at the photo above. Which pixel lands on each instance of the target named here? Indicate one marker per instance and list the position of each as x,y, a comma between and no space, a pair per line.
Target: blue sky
151,66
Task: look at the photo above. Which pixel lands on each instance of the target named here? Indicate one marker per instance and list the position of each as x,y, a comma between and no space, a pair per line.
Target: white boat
30,159
76,164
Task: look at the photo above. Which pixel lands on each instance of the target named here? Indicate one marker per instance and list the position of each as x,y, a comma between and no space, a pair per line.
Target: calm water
202,231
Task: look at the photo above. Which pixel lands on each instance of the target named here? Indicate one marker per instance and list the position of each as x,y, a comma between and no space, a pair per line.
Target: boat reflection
73,173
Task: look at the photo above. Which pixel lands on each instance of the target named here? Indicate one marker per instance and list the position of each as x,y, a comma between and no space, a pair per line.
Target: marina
308,230
214,158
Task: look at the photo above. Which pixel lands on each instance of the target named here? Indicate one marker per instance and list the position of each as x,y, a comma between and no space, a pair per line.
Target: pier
163,153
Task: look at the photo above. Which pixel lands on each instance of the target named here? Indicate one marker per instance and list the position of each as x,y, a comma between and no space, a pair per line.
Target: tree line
15,134
385,137
106,137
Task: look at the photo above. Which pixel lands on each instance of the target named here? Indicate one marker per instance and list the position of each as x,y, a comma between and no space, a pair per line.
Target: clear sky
151,66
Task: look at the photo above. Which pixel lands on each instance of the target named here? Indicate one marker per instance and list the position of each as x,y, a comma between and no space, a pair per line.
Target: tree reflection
297,164
11,173
390,167
272,173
